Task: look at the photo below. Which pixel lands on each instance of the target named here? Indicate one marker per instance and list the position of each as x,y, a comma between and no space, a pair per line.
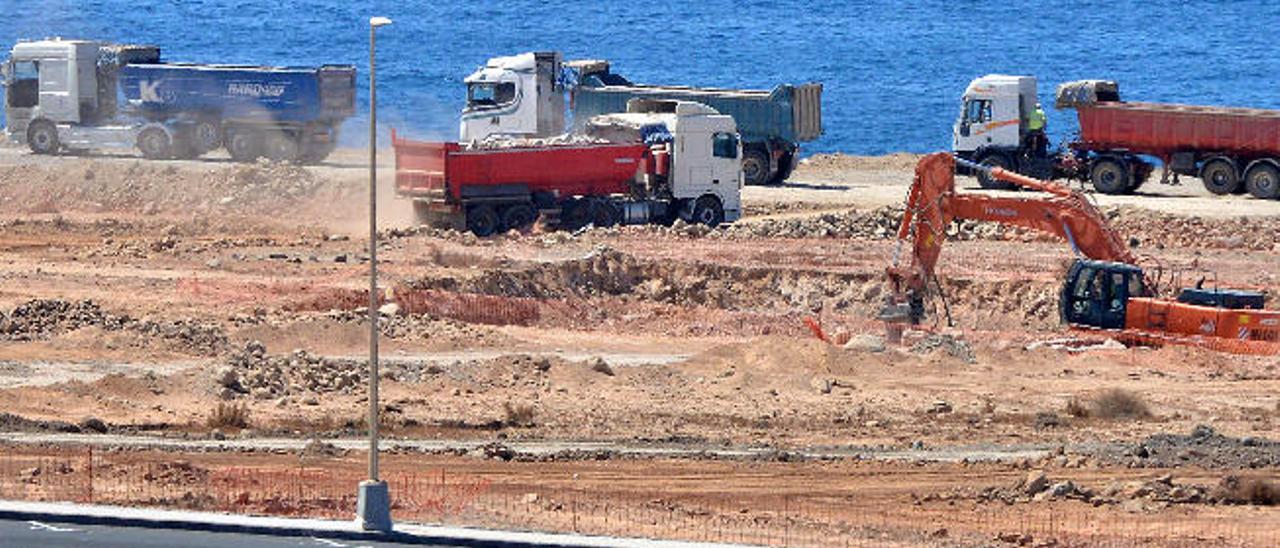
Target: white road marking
334,543
40,526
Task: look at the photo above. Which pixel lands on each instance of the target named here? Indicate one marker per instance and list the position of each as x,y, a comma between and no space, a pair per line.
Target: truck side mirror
964,129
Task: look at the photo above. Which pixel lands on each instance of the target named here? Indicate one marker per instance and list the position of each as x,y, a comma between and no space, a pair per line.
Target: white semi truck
81,95
658,162
524,96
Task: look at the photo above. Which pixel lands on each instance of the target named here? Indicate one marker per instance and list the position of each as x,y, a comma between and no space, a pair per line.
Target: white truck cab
62,94
705,154
50,79
992,127
993,112
515,96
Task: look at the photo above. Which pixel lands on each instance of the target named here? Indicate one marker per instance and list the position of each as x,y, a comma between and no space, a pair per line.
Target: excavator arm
933,204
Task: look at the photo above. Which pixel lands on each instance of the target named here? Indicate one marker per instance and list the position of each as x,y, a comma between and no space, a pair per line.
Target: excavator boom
934,203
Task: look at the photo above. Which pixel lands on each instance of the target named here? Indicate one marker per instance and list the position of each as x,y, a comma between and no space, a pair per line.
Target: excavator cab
1096,293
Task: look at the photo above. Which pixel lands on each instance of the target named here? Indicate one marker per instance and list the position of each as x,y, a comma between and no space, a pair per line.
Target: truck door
726,176
57,102
970,131
695,154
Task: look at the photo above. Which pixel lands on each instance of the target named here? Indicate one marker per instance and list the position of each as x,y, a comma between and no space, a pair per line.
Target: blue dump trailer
114,96
772,123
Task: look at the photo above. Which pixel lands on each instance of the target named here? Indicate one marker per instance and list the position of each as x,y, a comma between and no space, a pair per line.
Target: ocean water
893,71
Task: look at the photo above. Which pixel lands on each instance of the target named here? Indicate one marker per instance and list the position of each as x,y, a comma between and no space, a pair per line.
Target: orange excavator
1105,291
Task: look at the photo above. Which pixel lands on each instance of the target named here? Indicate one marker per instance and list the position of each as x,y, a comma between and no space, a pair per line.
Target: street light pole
374,504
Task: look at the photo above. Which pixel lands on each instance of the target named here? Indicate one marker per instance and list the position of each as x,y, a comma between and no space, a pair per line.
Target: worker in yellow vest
1037,140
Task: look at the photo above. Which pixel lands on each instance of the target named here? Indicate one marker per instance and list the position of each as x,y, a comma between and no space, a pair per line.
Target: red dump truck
664,160
1232,150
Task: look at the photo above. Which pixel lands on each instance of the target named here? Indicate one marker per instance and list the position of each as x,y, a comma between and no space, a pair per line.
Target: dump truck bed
445,172
790,113
1162,128
236,92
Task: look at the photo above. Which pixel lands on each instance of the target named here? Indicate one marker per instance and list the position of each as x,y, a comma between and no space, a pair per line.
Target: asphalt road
36,534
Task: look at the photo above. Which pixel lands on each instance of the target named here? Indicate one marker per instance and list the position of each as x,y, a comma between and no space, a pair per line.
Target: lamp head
376,22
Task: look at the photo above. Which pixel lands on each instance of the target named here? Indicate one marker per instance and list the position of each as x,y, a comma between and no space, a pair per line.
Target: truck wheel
575,214
281,147
755,166
606,215
1220,177
155,144
986,181
786,164
1109,176
206,135
518,216
1263,181
315,153
244,145
708,211
42,137
482,220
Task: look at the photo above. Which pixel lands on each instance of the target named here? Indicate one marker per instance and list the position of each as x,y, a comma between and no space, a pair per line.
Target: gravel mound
251,371
1202,447
151,187
947,344
41,319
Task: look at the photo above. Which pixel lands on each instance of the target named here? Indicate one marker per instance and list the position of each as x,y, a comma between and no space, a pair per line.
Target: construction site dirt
188,302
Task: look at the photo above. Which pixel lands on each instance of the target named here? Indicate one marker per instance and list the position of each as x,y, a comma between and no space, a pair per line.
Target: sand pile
151,187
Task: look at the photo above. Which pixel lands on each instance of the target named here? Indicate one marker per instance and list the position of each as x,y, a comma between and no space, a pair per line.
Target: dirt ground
140,296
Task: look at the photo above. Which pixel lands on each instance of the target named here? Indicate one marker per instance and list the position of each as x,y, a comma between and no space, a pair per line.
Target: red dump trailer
503,186
1233,150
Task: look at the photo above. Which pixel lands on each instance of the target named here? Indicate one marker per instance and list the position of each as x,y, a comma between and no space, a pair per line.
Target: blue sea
892,70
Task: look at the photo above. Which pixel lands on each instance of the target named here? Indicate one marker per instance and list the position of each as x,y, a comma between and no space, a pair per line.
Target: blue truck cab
82,95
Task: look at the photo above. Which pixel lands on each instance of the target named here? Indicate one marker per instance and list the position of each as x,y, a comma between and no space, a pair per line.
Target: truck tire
786,164
206,135
314,153
708,211
42,137
606,214
575,213
755,166
155,144
482,220
1263,180
994,159
1220,177
244,145
1110,176
518,216
280,147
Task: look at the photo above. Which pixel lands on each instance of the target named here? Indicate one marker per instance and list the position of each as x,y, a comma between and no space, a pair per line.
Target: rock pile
41,319
1202,447
251,371
947,344
1159,229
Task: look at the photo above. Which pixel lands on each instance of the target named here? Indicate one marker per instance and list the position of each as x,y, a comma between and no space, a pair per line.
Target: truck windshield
486,94
24,85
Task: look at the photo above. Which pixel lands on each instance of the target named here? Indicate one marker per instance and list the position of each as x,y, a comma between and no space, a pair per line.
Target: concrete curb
117,516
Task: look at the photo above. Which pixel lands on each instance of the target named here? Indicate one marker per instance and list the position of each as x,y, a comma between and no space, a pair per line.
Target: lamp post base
373,508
